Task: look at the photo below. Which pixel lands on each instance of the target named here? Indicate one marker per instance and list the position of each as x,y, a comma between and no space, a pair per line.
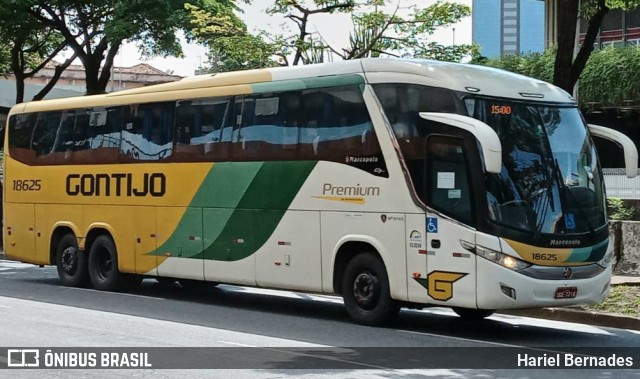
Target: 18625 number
27,185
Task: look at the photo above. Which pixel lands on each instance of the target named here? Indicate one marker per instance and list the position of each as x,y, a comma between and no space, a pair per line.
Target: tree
95,29
241,52
231,48
29,47
567,69
376,30
379,28
5,65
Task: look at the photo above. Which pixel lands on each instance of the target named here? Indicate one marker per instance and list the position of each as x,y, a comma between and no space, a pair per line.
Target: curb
579,316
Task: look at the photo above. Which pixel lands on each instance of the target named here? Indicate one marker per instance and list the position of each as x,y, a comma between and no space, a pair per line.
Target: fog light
508,291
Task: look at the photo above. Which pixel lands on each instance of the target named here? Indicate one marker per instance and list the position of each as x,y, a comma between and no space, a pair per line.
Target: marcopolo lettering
118,184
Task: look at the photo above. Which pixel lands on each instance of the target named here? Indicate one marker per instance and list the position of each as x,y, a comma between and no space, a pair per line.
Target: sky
333,28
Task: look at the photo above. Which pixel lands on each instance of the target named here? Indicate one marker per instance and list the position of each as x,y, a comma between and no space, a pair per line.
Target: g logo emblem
440,284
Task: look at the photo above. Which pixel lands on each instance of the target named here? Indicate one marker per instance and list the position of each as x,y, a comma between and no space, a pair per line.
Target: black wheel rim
69,260
104,263
366,290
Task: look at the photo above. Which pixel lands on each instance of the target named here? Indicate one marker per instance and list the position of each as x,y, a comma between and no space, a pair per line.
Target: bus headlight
605,261
504,260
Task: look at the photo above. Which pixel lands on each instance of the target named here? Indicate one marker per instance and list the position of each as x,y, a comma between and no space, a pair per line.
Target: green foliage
379,28
240,52
95,29
618,211
535,65
589,7
5,61
611,76
405,32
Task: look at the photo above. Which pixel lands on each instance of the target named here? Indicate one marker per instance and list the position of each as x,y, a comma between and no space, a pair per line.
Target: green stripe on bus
260,210
222,188
589,254
242,203
299,84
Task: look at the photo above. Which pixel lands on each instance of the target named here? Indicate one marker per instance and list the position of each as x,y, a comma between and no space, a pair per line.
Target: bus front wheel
71,262
103,264
366,293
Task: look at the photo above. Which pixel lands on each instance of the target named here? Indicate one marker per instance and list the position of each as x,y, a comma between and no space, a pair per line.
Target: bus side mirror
628,147
484,134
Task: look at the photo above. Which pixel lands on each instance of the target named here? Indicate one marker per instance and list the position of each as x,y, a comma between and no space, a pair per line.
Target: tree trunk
567,19
92,72
589,39
567,70
54,79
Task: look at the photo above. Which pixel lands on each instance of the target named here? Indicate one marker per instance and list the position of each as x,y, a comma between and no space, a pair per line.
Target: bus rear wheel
471,314
366,293
71,262
103,265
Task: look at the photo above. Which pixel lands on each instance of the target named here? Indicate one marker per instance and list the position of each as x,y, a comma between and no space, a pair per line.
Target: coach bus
393,183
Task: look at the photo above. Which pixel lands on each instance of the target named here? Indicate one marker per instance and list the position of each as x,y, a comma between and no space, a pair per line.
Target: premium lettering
118,184
357,190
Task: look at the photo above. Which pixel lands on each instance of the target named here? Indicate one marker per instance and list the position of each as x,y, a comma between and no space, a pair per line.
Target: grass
623,299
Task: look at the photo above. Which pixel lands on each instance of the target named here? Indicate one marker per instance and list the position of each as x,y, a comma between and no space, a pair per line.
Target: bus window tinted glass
402,104
97,135
49,129
20,135
203,131
147,132
262,133
335,126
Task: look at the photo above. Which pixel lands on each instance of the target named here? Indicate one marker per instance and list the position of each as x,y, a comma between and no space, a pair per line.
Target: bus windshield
550,181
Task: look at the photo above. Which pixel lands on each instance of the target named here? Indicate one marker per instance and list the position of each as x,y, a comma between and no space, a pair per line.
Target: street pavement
574,315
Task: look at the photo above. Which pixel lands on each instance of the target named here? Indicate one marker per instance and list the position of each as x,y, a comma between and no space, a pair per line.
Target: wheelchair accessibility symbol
569,221
432,225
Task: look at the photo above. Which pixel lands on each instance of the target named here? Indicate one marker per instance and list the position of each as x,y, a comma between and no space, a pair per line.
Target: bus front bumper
501,288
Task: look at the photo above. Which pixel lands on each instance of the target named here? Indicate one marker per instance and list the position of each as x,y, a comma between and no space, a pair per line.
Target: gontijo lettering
119,184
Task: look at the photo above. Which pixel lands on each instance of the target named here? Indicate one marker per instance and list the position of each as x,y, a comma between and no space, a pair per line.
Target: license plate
566,293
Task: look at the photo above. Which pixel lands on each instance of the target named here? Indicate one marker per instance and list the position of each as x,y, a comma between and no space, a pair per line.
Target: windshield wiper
541,207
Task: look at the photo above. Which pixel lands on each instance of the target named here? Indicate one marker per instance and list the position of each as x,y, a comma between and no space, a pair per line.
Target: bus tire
470,314
103,265
71,263
366,293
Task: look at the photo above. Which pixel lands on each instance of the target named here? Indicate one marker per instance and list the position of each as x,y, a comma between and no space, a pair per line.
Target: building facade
503,27
73,78
618,28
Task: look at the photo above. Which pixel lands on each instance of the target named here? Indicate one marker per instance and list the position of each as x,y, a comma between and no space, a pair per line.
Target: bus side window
147,132
263,133
97,135
202,131
336,127
20,135
47,127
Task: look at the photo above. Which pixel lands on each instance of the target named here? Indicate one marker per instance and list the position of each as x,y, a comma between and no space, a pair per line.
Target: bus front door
451,269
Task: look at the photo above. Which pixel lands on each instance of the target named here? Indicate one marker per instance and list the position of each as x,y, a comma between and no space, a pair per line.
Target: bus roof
469,78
